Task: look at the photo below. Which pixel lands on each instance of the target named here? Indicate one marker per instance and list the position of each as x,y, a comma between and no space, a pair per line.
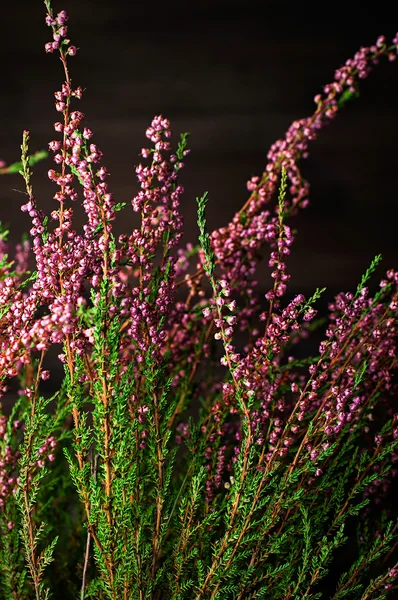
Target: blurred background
235,77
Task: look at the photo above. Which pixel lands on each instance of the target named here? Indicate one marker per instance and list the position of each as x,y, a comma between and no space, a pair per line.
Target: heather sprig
17,166
171,463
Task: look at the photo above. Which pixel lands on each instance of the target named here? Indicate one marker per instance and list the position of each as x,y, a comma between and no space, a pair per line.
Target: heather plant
171,463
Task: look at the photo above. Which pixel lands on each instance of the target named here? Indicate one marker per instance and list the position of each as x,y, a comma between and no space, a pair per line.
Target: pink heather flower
87,133
310,314
231,320
78,93
381,40
72,50
378,439
393,572
62,17
103,173
50,21
54,145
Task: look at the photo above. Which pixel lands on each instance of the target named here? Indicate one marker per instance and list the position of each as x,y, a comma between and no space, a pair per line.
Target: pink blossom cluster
236,246
8,463
60,31
158,204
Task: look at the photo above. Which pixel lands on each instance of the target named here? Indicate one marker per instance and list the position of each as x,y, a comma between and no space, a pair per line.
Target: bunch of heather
171,463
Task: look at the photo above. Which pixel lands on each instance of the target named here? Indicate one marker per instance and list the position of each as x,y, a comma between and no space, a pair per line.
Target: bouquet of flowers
170,463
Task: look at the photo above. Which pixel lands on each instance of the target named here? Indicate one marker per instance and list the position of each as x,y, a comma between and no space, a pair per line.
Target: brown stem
33,563
87,553
159,499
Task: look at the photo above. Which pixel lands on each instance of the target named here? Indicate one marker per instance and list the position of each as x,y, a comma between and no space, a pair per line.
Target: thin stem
87,554
33,562
159,495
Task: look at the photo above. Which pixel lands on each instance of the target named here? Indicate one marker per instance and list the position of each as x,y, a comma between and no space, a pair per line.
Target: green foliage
204,237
